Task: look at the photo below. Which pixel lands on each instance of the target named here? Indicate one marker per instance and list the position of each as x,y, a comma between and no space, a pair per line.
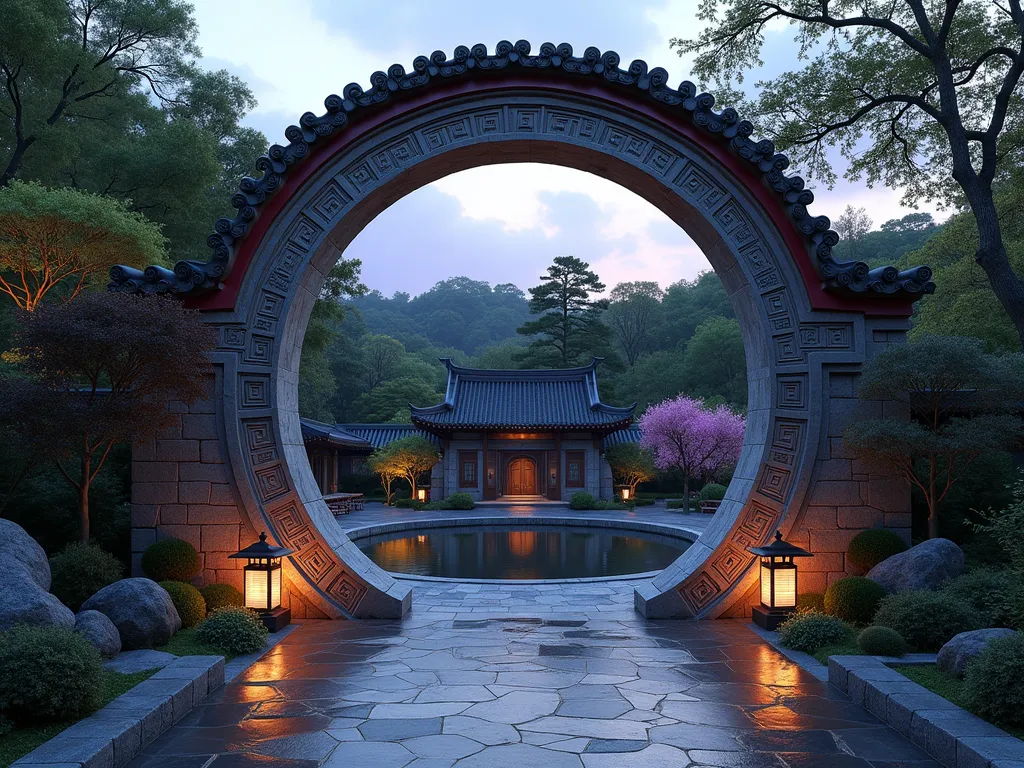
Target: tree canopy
918,96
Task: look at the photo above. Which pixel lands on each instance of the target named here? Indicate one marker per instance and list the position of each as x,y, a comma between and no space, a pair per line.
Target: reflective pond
527,552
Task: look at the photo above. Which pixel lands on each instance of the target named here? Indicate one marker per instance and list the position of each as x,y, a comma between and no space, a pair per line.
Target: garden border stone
953,736
112,736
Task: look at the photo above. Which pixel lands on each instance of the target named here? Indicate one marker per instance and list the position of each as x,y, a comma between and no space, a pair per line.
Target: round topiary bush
989,592
220,595
712,492
853,599
925,619
811,601
171,560
188,602
582,500
881,641
49,673
80,571
992,681
234,630
810,631
869,548
459,501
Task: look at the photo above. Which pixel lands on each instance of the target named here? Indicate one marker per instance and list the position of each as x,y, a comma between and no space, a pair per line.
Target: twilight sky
500,223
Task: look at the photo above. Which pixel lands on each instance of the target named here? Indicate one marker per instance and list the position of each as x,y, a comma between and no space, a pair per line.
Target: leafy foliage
459,501
1006,526
868,548
881,641
988,592
854,599
992,681
713,492
926,620
582,500
171,560
221,595
188,601
80,571
633,315
810,601
234,630
630,464
407,458
809,631
61,240
938,379
50,673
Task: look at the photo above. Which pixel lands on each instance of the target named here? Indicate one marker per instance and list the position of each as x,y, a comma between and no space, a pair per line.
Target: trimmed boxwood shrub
234,630
992,681
869,548
989,592
80,571
810,631
48,673
853,599
712,492
188,601
459,501
925,619
171,560
811,601
582,500
881,641
220,595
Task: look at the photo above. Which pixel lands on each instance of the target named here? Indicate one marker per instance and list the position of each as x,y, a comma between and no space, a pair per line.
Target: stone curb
951,735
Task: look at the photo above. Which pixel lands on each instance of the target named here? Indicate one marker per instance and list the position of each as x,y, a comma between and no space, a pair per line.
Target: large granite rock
23,601
929,565
141,610
954,656
100,631
18,546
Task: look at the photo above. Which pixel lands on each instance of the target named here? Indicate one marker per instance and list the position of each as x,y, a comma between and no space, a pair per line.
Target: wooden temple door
522,477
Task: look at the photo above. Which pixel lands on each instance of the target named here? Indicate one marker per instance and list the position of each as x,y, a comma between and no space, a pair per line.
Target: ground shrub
810,631
459,501
414,504
869,548
49,673
926,619
234,630
171,560
854,599
220,595
582,500
80,571
811,601
881,641
188,601
434,505
991,593
712,492
992,682
678,504
638,502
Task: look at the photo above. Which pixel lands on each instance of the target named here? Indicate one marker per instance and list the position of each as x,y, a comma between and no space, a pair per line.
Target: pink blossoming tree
698,441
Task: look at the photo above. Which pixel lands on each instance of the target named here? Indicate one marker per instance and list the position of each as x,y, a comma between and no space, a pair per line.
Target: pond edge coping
115,734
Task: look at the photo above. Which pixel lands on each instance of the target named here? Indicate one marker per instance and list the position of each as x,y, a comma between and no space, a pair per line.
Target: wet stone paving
474,678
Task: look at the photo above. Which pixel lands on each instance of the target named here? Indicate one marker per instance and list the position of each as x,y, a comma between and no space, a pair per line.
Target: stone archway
808,321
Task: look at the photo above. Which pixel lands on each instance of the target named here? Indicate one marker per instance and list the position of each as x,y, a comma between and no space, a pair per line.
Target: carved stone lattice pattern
551,61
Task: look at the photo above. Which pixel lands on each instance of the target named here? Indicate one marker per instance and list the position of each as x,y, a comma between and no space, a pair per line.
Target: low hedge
713,492
868,548
854,599
48,674
925,619
811,630
881,641
80,571
582,500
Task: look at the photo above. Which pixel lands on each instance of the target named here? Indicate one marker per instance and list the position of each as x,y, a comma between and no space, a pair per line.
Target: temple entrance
522,477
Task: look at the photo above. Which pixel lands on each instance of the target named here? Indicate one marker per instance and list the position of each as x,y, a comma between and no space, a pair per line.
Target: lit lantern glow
263,581
625,494
779,589
421,494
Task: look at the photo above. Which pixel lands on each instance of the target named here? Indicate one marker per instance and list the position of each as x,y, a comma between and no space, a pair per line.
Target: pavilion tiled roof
331,434
533,399
627,435
379,435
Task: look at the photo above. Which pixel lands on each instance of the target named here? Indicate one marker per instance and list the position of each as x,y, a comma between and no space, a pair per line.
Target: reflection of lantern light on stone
522,543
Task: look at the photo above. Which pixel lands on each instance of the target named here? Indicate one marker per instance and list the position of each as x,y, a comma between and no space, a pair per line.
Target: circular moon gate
808,322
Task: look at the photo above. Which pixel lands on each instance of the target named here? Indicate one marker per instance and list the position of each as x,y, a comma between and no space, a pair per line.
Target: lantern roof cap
779,548
262,550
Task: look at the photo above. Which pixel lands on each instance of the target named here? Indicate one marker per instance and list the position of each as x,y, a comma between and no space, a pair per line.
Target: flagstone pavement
528,676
